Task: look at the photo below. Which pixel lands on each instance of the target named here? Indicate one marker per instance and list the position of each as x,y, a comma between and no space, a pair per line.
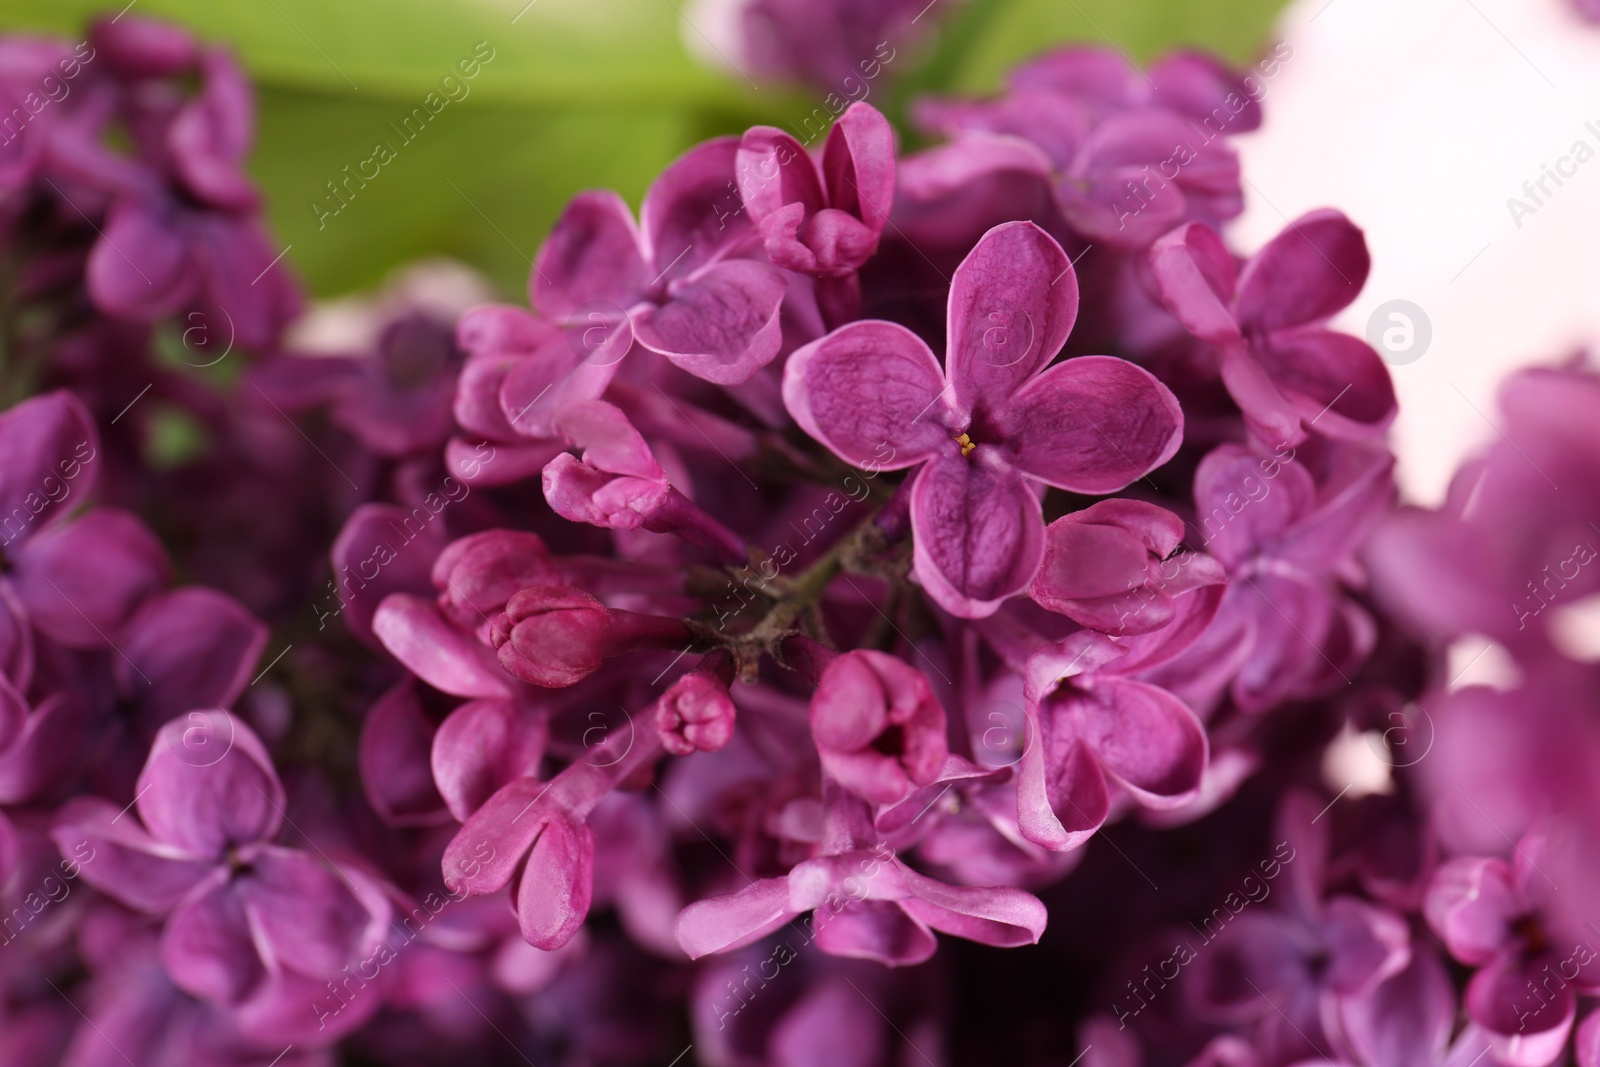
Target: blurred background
1421,119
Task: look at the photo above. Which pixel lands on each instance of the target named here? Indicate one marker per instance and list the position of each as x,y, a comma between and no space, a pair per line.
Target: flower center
967,444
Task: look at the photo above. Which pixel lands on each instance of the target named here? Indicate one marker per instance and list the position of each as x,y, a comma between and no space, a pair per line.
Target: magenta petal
591,256
488,849
1334,379
13,713
721,924
1312,269
607,438
188,648
775,172
50,742
301,911
482,746
209,784
1239,510
557,884
994,915
396,738
478,573
1062,797
1407,1020
382,549
878,930
1013,301
720,325
1195,274
16,639
1587,1045
124,861
141,267
579,493
692,214
211,133
207,946
1524,1029
1145,738
858,165
938,172
48,448
559,372
1196,84
1472,905
81,580
978,534
417,635
1367,944
872,392
1091,424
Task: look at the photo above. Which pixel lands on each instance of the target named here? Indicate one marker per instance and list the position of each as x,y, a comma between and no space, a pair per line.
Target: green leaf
481,184
573,52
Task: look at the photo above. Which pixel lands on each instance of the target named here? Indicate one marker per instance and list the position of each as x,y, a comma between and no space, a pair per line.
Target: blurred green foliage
577,94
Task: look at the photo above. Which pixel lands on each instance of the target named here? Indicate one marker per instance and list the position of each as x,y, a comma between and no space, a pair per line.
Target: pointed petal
858,164
372,533
123,860
1407,1020
775,172
992,915
1013,301
51,741
207,949
559,372
721,924
396,738
1145,738
1061,793
1334,380
417,635
482,746
872,392
1314,268
1195,274
188,648
48,448
81,580
978,534
489,848
301,911
878,930
141,267
557,884
607,438
1471,905
721,325
692,214
209,784
1092,424
592,256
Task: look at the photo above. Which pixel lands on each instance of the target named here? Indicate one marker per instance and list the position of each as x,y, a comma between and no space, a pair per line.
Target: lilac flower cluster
867,608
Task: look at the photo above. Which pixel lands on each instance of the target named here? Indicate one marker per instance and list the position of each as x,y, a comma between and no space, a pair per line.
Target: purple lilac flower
985,429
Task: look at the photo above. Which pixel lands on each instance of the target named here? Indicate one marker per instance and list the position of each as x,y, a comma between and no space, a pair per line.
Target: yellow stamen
967,444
